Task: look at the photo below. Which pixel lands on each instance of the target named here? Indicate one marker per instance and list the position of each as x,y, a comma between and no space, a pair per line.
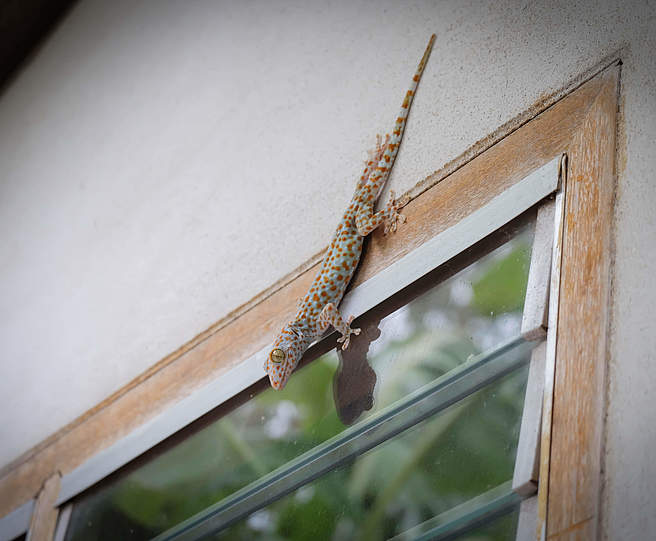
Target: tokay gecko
318,309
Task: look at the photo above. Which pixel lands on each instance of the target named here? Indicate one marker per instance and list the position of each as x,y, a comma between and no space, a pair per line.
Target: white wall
163,162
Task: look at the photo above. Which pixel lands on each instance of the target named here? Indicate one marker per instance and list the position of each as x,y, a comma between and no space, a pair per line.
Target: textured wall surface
163,162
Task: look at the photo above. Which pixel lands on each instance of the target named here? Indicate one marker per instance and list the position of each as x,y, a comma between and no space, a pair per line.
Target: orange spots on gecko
343,252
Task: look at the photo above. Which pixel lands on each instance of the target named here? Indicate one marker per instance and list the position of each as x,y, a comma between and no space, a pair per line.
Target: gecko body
318,308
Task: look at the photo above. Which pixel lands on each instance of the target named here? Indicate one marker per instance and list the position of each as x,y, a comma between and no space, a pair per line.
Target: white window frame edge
17,522
444,246
531,475
62,522
526,525
539,321
550,356
534,327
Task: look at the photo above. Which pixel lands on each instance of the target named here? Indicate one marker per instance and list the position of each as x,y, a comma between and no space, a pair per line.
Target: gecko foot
395,217
375,155
345,339
381,147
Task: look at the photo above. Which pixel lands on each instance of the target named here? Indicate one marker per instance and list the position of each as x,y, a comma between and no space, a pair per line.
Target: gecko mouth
276,382
278,375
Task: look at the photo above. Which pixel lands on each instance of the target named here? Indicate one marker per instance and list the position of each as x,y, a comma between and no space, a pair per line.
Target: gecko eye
277,355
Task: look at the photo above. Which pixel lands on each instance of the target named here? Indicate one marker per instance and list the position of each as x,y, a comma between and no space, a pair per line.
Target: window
136,420
461,338
435,385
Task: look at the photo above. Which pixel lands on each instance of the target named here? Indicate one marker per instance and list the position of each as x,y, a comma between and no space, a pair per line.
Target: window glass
471,445
429,469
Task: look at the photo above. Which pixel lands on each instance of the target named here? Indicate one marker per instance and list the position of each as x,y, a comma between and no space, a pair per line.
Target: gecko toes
403,201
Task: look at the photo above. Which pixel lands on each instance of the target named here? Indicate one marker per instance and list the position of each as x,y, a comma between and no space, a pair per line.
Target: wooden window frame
581,124
368,296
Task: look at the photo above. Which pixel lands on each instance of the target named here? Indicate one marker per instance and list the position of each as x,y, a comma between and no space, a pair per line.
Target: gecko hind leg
330,316
374,156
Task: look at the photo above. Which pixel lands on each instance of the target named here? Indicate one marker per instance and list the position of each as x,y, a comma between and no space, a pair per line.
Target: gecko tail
399,126
380,173
380,163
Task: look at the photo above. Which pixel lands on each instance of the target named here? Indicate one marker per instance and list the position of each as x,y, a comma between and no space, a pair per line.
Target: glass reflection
468,313
427,470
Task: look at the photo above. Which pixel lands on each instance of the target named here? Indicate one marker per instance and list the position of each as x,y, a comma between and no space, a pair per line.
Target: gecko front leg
366,220
331,316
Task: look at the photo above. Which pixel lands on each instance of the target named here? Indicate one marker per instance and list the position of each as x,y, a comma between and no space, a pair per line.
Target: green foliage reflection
429,469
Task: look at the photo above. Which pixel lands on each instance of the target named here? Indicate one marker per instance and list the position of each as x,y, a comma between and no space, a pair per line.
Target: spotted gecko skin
318,309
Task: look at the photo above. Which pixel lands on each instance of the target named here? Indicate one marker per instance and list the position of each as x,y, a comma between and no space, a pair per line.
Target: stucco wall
163,162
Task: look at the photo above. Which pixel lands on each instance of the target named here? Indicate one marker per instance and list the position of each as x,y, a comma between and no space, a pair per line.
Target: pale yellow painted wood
527,461
536,303
44,518
528,514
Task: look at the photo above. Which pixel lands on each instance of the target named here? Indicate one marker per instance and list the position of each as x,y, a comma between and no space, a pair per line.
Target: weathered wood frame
393,282
583,124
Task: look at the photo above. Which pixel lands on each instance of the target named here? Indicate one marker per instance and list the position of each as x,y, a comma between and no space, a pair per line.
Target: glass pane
469,312
429,469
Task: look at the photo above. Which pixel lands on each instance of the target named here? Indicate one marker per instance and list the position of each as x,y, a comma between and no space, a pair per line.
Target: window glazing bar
536,302
527,460
426,401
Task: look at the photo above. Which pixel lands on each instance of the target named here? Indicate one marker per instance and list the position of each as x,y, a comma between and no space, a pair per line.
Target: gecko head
284,356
